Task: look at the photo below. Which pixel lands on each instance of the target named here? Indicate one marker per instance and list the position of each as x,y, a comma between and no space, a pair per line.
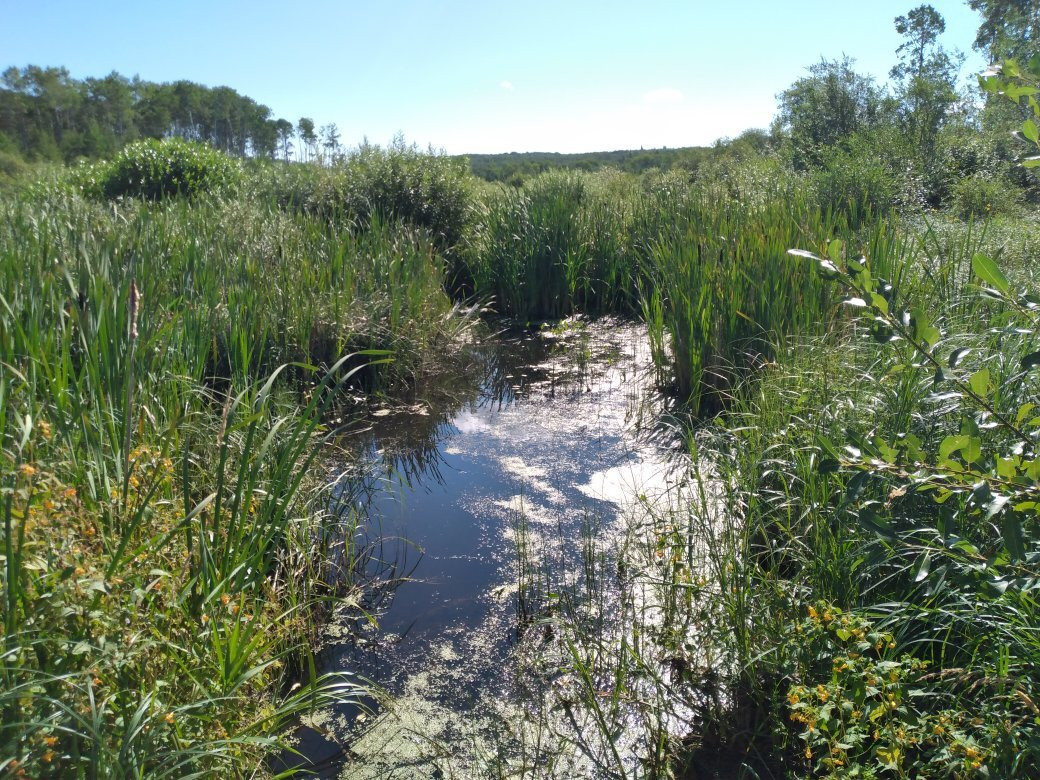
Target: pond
495,503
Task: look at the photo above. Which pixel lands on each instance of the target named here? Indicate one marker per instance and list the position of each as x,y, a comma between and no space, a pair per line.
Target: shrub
981,196
855,183
425,189
157,169
859,709
12,168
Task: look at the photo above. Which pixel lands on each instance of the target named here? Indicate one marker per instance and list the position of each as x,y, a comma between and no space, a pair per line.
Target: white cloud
663,95
506,85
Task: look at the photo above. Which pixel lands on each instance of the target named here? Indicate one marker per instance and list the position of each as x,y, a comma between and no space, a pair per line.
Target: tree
921,28
1010,28
330,140
926,75
826,107
308,138
285,136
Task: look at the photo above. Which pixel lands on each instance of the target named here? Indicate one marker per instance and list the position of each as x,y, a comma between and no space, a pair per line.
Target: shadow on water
479,501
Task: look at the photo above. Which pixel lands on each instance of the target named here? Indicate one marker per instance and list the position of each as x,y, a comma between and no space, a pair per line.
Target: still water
492,499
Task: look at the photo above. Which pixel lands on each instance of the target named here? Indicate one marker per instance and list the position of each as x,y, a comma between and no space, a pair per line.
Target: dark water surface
533,457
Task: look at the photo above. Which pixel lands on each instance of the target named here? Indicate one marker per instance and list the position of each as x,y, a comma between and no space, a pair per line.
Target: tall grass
867,604
167,371
705,262
164,537
552,248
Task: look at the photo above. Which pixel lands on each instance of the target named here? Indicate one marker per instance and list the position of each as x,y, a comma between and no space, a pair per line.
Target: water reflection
487,498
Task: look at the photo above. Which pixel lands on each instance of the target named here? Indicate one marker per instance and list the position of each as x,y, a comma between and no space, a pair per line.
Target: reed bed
169,371
167,374
704,263
850,588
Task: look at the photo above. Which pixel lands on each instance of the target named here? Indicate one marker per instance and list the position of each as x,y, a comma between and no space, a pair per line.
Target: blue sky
482,76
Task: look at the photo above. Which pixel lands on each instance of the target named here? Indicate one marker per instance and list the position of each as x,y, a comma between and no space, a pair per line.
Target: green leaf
952,444
1006,468
1016,92
979,382
994,506
1031,162
1011,530
989,272
924,330
1023,412
879,302
924,567
989,83
872,521
972,451
1030,131
827,445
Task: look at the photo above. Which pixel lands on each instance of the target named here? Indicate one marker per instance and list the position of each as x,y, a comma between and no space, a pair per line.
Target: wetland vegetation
816,345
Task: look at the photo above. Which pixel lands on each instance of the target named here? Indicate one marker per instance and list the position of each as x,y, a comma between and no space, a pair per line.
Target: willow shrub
398,183
160,168
942,502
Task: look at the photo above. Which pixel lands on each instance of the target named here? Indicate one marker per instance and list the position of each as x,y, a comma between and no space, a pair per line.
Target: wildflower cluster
115,620
857,709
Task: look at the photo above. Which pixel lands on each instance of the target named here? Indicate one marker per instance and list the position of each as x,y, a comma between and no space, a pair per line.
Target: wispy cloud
506,85
663,95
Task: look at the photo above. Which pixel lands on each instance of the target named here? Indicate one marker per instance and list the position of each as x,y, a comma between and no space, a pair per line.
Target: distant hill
519,165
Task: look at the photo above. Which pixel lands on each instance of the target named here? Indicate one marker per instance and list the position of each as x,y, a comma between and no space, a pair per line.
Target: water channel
496,499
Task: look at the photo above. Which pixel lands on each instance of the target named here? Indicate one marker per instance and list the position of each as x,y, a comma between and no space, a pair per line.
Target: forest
203,310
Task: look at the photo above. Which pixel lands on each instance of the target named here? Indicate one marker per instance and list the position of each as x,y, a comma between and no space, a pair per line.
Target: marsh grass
816,562
169,369
167,373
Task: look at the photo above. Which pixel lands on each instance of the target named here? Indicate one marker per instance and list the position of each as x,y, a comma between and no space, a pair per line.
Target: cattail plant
133,310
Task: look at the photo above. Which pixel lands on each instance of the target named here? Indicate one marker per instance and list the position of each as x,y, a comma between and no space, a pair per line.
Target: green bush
424,189
157,169
12,168
855,183
981,196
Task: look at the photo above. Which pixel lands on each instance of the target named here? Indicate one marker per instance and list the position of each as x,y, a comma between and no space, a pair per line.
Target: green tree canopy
47,114
826,107
926,75
1009,28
